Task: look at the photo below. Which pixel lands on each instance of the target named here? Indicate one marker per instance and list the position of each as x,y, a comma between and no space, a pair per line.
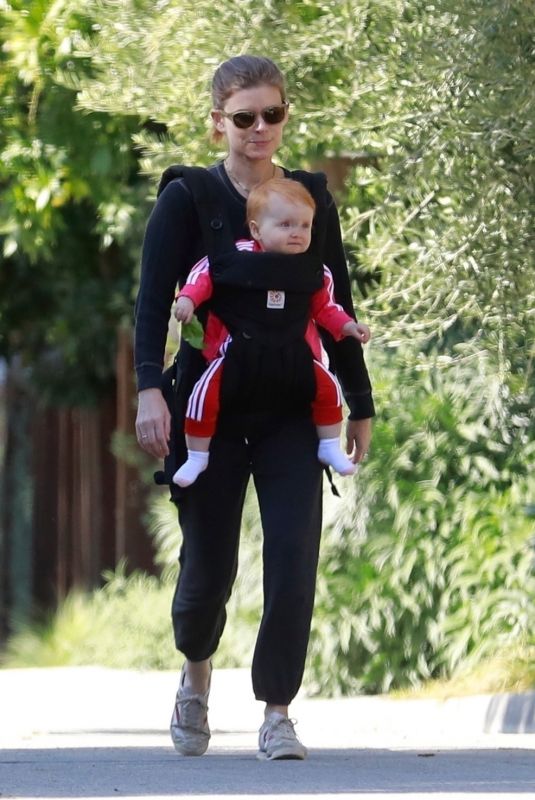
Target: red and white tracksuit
203,405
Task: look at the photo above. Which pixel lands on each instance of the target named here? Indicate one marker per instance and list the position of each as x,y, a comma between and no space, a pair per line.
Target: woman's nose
259,124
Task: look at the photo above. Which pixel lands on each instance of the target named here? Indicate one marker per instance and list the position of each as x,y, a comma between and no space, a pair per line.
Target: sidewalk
99,733
41,705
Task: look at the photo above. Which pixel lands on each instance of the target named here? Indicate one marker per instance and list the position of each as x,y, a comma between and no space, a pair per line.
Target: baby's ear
253,227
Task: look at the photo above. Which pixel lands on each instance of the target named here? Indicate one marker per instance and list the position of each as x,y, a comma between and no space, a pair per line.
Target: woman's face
261,140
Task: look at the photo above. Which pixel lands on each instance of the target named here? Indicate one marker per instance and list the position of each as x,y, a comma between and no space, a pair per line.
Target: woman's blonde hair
290,190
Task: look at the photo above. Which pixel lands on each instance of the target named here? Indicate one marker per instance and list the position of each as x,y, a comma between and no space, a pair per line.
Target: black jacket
173,244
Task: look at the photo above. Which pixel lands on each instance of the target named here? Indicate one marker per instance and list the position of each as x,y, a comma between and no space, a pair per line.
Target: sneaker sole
191,748
282,754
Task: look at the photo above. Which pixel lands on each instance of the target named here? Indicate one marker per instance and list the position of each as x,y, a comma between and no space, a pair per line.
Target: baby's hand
358,331
184,309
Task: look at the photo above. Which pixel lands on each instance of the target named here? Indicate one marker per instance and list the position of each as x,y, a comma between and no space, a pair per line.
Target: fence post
17,496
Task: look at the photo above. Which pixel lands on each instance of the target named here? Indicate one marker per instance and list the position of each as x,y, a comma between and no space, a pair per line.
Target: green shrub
429,564
426,567
125,624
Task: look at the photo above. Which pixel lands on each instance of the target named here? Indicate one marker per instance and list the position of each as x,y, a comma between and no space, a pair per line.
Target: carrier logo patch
275,299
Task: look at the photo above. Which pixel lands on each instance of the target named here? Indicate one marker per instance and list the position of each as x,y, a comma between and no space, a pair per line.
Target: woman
250,111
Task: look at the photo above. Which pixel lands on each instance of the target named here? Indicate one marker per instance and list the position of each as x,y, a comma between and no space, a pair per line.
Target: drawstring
334,490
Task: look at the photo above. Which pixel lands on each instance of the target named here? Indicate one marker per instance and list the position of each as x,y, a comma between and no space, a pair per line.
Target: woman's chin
260,150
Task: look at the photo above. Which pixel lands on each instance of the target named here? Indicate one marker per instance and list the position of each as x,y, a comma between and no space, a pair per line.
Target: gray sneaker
189,724
277,739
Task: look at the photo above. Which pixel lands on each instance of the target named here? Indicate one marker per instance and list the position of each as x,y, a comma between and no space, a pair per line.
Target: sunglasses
272,115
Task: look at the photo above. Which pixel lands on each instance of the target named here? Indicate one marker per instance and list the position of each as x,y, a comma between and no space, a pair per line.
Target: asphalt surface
97,733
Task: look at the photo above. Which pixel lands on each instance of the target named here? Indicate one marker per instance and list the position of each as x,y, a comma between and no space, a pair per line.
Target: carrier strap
207,194
206,191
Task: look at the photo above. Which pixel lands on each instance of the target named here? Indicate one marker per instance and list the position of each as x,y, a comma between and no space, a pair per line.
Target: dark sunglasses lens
244,119
274,114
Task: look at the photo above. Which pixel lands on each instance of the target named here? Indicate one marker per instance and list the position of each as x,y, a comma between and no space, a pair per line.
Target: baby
280,213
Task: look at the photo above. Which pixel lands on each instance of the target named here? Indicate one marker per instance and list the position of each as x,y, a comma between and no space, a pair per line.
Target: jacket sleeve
165,261
325,311
346,356
198,287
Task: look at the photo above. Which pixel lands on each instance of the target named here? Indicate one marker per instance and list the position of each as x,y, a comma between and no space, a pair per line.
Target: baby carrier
263,299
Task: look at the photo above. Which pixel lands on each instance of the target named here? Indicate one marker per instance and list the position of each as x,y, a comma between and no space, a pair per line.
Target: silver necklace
235,180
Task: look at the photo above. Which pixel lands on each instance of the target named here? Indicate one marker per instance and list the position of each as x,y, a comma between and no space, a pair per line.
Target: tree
452,237
70,220
70,192
439,94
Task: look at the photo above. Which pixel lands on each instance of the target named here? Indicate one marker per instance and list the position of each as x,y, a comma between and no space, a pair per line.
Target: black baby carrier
263,299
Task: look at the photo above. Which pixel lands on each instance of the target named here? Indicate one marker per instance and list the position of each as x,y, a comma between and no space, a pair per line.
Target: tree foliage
69,194
452,238
439,94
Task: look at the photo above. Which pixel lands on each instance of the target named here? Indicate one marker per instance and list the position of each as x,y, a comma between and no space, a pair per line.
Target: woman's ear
218,120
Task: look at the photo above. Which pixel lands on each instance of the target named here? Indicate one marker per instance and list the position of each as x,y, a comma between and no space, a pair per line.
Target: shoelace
192,711
287,726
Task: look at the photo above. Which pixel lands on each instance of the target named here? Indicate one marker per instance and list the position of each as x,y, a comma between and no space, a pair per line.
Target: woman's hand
153,423
184,309
358,438
358,331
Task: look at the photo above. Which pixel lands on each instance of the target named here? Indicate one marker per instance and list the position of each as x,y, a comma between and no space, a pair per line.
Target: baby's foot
191,469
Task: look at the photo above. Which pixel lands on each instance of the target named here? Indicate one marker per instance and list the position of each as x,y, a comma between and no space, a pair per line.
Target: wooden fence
70,508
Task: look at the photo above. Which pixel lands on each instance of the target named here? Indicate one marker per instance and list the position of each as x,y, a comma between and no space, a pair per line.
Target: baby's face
284,227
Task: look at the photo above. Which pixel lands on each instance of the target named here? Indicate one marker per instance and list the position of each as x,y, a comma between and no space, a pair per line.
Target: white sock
329,453
192,468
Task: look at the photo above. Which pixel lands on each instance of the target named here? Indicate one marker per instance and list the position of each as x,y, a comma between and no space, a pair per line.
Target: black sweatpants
288,482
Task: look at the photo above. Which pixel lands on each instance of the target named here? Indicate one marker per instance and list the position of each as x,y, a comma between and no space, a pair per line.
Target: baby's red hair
290,190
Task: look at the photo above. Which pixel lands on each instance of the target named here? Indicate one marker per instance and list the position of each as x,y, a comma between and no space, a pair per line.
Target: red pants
203,404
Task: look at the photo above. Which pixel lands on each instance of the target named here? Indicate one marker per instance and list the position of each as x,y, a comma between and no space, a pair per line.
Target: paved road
91,733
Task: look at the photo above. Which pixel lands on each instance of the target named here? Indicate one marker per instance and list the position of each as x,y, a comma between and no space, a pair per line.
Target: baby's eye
306,226
284,224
